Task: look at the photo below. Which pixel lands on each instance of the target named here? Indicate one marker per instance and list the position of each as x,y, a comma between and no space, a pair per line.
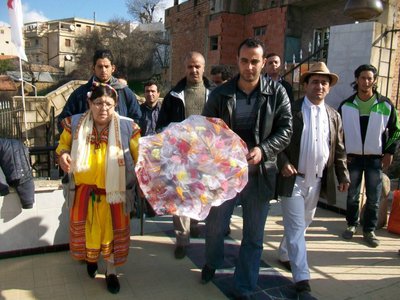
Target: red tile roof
7,84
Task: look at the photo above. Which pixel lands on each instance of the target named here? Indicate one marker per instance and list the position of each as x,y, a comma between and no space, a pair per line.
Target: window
213,43
320,39
2,31
259,31
88,29
67,43
36,42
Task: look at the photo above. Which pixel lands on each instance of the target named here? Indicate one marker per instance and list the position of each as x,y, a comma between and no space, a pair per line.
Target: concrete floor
339,269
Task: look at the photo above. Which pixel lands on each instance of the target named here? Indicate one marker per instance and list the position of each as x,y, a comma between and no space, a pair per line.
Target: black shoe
180,252
228,232
207,274
306,296
195,232
286,265
303,286
112,283
91,269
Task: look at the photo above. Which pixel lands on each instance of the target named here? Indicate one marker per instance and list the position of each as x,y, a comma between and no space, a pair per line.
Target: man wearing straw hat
307,167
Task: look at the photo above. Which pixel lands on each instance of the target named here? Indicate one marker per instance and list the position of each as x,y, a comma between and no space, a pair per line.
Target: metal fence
42,157
9,120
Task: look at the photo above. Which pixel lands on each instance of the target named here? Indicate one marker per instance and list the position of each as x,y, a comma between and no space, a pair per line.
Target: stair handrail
307,59
301,63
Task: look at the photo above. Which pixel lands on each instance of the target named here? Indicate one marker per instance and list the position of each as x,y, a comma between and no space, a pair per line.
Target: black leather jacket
273,128
173,105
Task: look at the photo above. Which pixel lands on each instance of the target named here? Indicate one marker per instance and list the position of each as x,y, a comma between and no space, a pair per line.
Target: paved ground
340,269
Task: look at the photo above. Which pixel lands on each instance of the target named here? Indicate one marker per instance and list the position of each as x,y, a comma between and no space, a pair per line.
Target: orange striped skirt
97,227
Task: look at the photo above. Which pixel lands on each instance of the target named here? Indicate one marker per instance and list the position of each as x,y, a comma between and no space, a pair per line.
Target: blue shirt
149,118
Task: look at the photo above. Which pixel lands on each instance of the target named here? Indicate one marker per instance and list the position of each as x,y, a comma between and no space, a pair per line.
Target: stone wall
38,112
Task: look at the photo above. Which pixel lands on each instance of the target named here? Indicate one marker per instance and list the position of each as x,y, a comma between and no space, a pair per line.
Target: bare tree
133,50
143,11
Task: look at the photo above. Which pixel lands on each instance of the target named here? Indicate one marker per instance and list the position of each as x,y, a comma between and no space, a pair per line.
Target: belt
304,175
371,156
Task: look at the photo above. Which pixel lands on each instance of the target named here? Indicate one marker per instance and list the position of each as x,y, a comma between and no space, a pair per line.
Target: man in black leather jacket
259,112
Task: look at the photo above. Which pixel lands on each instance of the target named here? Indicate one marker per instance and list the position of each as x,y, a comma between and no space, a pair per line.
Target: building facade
6,46
54,42
294,29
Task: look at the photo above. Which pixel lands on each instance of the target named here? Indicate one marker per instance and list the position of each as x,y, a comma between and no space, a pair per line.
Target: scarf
114,82
314,147
115,163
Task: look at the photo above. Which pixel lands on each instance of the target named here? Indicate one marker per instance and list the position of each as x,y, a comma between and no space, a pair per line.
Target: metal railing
42,157
9,119
295,72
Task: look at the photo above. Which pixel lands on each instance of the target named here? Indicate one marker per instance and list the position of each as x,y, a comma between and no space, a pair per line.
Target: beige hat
320,68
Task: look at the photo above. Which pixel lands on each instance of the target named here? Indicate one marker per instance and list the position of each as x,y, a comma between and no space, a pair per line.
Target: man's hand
254,156
288,170
343,187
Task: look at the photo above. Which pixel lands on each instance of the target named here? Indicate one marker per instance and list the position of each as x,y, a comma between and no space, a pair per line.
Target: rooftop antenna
94,18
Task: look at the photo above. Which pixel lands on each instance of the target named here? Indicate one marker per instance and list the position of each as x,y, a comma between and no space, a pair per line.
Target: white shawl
115,163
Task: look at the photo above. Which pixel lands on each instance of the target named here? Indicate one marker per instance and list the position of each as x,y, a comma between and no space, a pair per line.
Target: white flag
16,21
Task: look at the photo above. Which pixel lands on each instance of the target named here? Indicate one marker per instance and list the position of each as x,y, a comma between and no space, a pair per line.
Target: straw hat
320,68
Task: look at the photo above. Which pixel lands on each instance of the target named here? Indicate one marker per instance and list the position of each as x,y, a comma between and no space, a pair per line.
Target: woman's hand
65,162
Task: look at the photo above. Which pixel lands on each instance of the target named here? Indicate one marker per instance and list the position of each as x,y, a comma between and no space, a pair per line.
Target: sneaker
207,274
180,252
371,239
349,232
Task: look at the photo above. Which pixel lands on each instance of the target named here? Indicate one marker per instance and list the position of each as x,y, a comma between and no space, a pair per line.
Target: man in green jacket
371,131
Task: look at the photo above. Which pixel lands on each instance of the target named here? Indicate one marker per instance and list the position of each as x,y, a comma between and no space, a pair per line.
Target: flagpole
23,102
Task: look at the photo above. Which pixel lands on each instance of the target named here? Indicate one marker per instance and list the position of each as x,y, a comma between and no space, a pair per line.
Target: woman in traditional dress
98,150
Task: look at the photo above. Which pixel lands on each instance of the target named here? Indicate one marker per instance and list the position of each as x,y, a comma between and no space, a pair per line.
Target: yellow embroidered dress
95,225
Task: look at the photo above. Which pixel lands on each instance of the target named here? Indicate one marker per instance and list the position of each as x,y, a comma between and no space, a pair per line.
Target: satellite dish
68,57
72,27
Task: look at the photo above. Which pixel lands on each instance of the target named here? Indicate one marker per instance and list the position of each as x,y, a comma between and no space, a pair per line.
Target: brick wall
190,29
396,62
187,25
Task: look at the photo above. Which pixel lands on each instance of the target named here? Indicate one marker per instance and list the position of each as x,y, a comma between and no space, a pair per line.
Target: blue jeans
372,168
255,210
